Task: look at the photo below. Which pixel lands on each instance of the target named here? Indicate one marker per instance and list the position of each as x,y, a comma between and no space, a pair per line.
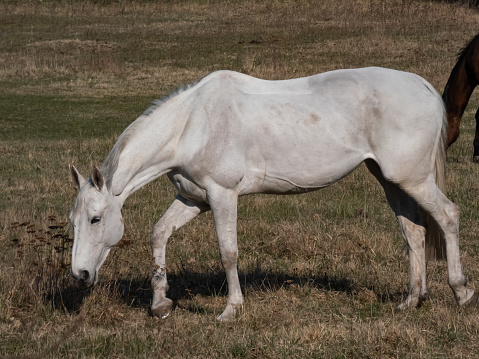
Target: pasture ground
322,273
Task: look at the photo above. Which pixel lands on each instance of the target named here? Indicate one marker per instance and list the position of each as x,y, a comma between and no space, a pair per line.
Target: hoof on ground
163,310
472,303
230,313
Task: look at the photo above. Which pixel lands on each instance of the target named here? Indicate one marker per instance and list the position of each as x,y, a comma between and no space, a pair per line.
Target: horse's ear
97,179
77,178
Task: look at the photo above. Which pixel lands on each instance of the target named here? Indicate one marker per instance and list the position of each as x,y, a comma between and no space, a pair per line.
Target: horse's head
97,225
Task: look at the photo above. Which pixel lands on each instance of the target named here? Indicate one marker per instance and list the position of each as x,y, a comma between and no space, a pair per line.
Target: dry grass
322,273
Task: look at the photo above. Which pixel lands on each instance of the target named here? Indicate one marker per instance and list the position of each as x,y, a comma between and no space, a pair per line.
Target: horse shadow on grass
187,283
470,3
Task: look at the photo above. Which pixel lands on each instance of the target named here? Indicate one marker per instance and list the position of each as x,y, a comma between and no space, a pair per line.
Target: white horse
231,134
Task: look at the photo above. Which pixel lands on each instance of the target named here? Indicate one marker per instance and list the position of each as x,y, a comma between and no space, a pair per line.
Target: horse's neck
149,153
131,178
458,89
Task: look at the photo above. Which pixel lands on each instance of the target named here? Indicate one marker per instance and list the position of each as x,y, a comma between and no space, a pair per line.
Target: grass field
322,273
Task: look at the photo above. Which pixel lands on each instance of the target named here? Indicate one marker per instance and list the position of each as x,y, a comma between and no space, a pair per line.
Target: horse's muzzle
83,278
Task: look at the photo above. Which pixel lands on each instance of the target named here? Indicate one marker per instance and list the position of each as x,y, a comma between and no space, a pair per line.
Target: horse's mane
461,57
110,164
465,50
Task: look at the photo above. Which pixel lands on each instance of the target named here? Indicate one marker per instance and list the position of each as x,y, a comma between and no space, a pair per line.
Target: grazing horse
231,134
463,80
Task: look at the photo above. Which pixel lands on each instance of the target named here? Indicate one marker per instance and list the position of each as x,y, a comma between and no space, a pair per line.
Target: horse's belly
277,185
303,176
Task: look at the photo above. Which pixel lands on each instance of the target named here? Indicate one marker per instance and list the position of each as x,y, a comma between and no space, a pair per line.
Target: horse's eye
95,220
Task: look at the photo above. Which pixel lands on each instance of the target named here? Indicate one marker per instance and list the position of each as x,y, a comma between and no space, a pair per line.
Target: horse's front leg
475,157
224,206
180,212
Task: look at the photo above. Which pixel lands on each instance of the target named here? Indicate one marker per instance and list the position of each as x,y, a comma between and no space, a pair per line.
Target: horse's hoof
230,313
472,303
163,310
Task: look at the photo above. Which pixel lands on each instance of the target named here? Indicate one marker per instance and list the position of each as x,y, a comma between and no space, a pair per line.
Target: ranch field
322,273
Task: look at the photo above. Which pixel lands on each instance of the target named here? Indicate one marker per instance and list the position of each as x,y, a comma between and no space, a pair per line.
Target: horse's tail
435,241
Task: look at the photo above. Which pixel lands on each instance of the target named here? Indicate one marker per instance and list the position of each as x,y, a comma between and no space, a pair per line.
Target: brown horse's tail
435,241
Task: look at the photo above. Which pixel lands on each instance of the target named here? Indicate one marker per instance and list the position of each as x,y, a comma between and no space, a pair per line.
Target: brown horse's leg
475,157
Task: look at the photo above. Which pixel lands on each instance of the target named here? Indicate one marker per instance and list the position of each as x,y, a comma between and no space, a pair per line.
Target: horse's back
307,133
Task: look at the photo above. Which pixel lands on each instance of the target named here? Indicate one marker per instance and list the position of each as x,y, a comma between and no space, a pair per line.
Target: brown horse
462,81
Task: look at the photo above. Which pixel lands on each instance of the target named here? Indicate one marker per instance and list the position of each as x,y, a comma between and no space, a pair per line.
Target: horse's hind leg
475,157
413,229
180,212
446,214
414,232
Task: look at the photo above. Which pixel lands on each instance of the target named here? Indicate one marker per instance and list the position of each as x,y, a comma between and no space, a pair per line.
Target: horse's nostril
84,275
